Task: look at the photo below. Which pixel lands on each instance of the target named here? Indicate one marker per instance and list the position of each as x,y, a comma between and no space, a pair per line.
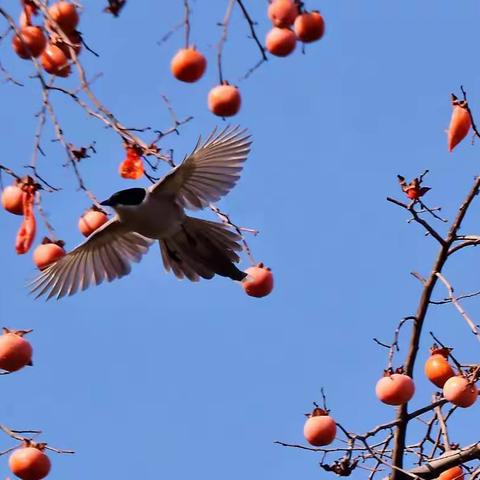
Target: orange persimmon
259,282
280,41
460,123
188,65
224,100
309,27
395,388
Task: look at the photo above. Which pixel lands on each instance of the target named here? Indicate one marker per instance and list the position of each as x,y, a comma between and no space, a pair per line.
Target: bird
190,247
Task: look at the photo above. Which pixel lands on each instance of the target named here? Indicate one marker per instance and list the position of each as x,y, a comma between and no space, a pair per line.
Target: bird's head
126,198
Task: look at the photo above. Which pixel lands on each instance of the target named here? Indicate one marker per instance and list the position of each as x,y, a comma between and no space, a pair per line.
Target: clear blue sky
149,377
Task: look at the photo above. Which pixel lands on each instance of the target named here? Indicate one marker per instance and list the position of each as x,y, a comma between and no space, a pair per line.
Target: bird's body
155,218
190,247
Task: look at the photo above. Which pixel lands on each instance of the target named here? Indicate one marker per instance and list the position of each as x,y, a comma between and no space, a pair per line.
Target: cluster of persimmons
54,41
397,388
224,100
29,461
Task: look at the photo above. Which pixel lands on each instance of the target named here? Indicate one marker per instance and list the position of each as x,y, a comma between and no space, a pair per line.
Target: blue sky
155,378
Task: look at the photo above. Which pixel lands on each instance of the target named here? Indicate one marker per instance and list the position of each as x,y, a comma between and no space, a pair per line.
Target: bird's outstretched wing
105,255
209,172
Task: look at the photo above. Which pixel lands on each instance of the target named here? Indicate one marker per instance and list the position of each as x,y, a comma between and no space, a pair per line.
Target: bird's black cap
130,196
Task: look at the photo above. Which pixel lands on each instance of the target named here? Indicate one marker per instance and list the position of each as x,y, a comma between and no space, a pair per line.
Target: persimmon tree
385,450
51,37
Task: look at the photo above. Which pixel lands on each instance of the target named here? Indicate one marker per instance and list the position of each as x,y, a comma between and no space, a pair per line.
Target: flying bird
190,247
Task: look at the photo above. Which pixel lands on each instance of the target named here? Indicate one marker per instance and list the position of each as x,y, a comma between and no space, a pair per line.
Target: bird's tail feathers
202,249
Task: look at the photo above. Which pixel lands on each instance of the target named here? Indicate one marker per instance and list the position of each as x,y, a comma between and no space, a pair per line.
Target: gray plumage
192,248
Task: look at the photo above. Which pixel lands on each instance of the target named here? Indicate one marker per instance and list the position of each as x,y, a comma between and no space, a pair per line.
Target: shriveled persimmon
188,65
132,166
47,253
282,13
30,42
259,282
454,473
15,351
12,199
395,388
309,27
319,429
29,463
437,368
224,100
460,123
65,15
55,62
28,228
91,220
28,11
459,391
281,41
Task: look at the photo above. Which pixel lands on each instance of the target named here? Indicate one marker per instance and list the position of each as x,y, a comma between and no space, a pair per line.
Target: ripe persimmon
15,351
454,473
91,220
282,13
437,368
47,253
65,15
459,391
29,463
395,388
309,27
188,65
30,42
224,100
12,199
319,429
460,123
281,41
259,282
55,61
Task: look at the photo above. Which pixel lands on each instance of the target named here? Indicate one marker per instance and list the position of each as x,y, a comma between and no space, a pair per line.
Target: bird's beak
106,203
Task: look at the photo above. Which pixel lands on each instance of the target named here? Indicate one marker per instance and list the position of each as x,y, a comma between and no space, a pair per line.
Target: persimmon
188,65
319,429
395,389
224,100
309,27
30,42
29,463
460,123
90,221
27,231
132,167
454,473
459,391
15,351
437,368
281,41
65,15
259,282
55,62
47,253
282,13
12,199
